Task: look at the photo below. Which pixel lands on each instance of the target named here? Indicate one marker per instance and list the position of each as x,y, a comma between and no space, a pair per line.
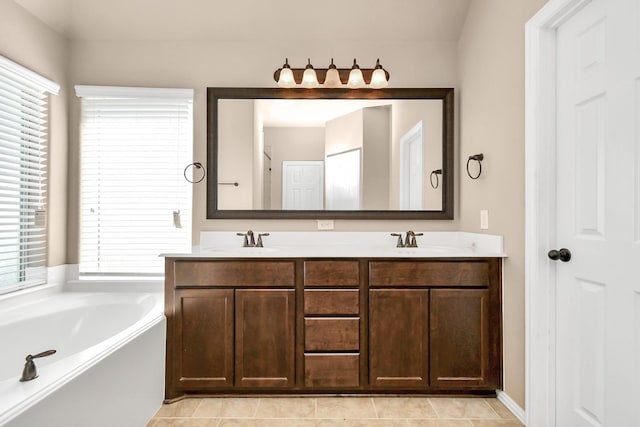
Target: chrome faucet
410,240
30,372
249,239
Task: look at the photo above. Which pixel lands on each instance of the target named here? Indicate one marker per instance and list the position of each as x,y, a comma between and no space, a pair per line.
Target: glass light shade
286,79
332,80
309,79
356,80
378,79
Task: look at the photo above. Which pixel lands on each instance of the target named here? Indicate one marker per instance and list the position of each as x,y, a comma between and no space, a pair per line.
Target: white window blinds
23,175
135,201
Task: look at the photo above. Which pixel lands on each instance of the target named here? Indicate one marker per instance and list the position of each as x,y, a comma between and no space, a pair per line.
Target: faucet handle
414,242
246,239
30,372
399,243
259,242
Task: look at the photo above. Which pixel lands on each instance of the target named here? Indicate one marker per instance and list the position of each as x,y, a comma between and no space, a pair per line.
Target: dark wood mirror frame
444,94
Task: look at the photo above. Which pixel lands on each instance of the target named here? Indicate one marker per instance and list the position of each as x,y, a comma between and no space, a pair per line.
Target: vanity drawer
332,334
331,273
334,301
428,273
331,370
234,273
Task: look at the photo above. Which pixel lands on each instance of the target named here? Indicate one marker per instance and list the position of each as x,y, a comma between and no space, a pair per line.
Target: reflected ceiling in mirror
329,153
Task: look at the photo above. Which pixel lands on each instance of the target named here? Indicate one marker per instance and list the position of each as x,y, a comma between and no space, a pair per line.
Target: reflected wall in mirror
329,153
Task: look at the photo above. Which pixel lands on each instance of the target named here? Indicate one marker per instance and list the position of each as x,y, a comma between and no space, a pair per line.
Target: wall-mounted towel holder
196,165
478,158
435,174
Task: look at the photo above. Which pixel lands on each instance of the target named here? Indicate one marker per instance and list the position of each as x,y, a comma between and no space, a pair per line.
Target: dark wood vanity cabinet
231,325
333,325
435,324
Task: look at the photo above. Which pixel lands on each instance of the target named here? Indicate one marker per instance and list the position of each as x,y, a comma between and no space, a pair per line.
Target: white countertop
290,244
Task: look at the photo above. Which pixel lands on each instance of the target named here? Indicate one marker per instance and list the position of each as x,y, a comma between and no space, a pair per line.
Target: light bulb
332,79
309,78
286,79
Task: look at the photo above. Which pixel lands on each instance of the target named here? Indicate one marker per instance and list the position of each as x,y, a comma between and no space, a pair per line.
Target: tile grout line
375,408
255,412
433,407
200,401
498,416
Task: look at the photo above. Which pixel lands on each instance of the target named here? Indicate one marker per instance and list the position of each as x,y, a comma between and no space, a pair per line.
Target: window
23,175
135,202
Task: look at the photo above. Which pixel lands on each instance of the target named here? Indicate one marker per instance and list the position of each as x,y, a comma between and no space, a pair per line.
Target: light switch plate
325,224
484,220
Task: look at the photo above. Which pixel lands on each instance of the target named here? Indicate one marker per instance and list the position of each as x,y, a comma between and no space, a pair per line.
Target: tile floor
335,411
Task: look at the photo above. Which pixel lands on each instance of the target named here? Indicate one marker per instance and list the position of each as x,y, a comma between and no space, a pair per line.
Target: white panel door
302,185
598,289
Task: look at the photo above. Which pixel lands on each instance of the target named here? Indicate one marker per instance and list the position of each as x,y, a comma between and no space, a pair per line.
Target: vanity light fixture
309,78
285,78
331,77
356,79
378,77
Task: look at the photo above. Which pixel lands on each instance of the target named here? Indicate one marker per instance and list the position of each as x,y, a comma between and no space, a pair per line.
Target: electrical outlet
325,224
484,220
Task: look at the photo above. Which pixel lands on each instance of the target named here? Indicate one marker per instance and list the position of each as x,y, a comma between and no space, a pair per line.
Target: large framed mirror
330,153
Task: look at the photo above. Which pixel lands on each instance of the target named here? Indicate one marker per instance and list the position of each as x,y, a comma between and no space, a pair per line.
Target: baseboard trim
511,405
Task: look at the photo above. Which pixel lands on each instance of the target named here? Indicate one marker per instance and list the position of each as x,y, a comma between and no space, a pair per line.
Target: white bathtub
108,369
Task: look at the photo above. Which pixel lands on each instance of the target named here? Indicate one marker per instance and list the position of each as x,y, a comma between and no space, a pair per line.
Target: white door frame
540,206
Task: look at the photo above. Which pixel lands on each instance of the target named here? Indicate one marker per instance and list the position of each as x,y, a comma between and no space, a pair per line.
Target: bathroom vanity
383,321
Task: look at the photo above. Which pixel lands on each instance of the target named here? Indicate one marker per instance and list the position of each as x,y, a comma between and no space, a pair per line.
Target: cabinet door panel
459,338
398,338
204,332
265,334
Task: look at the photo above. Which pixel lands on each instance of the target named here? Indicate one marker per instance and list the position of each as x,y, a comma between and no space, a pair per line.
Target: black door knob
563,254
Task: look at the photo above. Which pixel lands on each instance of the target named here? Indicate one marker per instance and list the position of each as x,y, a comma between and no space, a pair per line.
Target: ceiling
249,20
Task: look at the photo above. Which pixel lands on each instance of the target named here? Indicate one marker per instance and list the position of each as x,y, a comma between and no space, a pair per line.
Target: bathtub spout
29,372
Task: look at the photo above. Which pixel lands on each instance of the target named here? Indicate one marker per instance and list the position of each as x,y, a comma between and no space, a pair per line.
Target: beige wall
237,140
26,41
491,59
376,148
